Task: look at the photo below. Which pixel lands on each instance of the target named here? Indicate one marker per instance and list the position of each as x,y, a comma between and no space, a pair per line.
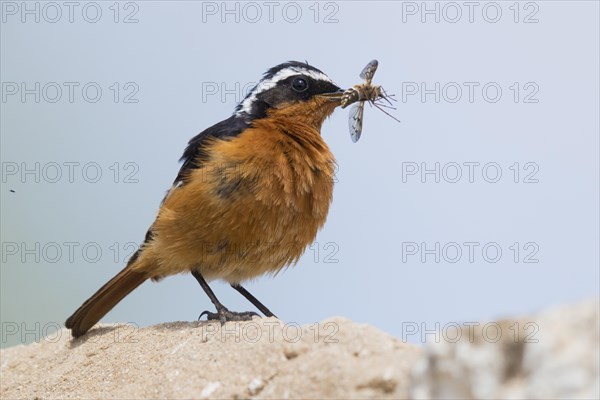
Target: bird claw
224,315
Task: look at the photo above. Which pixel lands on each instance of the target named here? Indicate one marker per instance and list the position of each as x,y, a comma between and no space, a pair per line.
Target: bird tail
105,299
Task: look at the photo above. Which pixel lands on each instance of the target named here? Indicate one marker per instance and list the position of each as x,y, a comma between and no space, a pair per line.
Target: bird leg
222,314
253,300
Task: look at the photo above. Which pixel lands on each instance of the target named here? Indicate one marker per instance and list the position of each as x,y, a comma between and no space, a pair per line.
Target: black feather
195,153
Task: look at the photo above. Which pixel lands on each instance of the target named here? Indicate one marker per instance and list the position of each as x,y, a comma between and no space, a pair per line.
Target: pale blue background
171,54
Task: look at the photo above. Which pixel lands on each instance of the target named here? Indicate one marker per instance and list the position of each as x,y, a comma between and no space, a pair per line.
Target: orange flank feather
254,204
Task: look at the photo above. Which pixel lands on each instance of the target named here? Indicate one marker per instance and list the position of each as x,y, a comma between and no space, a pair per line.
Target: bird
252,192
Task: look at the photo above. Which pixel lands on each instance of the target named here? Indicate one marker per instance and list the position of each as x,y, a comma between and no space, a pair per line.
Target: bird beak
335,96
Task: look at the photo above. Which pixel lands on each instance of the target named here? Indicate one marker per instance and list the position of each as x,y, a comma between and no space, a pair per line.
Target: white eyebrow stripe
290,71
267,84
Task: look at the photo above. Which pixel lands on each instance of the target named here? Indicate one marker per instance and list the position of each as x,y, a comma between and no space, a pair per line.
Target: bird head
292,90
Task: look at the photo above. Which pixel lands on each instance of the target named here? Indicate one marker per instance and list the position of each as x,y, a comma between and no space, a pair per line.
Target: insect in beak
363,93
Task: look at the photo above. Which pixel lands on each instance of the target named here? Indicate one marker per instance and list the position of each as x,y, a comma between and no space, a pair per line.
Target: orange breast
252,208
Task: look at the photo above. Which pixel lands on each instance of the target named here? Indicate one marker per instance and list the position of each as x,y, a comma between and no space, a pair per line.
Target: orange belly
251,208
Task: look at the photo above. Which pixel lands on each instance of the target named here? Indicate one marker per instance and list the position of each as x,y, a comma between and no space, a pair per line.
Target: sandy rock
553,355
263,358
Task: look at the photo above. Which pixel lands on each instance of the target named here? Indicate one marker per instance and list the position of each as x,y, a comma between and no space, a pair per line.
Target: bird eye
299,84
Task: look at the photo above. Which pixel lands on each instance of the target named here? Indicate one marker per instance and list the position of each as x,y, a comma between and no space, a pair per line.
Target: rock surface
262,359
551,355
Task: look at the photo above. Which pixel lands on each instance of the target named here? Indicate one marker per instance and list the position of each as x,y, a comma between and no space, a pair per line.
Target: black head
285,84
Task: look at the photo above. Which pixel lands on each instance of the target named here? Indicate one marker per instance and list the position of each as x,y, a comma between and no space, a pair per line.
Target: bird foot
225,315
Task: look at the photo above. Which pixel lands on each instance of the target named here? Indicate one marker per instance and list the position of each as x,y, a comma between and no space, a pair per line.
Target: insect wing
355,120
369,70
